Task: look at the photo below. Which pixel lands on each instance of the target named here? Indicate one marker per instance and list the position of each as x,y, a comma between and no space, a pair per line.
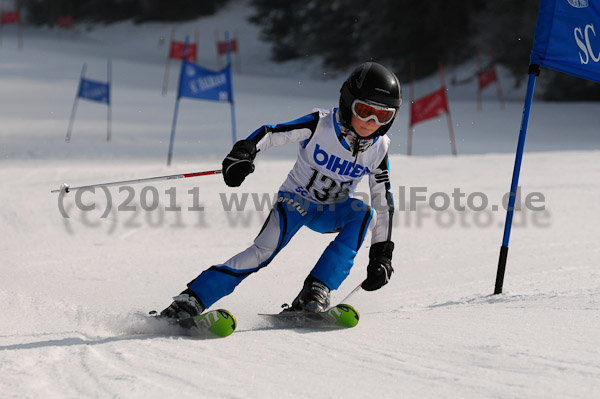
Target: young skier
337,148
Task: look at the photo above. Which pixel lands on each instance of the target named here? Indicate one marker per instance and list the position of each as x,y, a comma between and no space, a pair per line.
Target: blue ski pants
349,218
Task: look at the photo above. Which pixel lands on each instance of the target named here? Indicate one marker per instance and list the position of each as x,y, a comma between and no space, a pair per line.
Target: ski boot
314,297
183,306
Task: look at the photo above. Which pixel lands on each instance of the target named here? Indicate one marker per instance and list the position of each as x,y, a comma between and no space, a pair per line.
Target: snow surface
75,291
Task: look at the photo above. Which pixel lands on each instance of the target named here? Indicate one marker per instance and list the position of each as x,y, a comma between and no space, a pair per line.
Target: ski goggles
365,111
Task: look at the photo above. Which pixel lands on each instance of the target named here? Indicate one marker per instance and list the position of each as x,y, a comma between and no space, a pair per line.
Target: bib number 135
323,187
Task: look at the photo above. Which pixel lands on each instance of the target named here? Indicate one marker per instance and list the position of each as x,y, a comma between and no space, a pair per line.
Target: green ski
339,316
218,323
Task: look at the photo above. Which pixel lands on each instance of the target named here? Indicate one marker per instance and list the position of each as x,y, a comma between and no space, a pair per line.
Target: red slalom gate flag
222,46
430,106
65,21
10,17
176,51
487,78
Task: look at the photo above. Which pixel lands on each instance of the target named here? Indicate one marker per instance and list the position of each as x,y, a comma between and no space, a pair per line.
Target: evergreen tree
558,86
344,32
46,11
281,25
506,29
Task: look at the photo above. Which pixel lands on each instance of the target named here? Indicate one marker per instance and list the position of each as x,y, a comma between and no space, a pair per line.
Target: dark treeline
400,32
343,33
45,11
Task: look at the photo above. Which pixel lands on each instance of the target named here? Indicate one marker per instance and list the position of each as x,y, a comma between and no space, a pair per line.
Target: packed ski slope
75,291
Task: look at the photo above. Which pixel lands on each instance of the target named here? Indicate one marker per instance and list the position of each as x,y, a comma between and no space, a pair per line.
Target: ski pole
65,187
354,291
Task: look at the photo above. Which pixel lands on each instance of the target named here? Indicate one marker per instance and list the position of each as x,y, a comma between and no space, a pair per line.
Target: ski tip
221,322
348,315
229,316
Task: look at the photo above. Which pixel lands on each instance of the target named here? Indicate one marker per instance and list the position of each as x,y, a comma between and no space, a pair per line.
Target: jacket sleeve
382,201
301,129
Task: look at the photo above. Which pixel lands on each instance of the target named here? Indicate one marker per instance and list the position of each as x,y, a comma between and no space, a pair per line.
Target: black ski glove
239,163
379,270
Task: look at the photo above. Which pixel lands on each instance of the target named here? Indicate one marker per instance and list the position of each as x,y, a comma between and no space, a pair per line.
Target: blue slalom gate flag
567,37
94,91
205,84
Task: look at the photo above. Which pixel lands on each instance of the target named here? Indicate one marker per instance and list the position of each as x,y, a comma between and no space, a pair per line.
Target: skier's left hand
379,270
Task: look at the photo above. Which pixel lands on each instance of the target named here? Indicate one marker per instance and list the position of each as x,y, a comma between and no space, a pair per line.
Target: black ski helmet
373,82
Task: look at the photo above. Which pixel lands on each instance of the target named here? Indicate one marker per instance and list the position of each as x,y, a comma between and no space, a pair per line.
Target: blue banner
567,37
202,83
94,91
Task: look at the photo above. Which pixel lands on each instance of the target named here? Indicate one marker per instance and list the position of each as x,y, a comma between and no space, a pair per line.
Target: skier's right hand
239,163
